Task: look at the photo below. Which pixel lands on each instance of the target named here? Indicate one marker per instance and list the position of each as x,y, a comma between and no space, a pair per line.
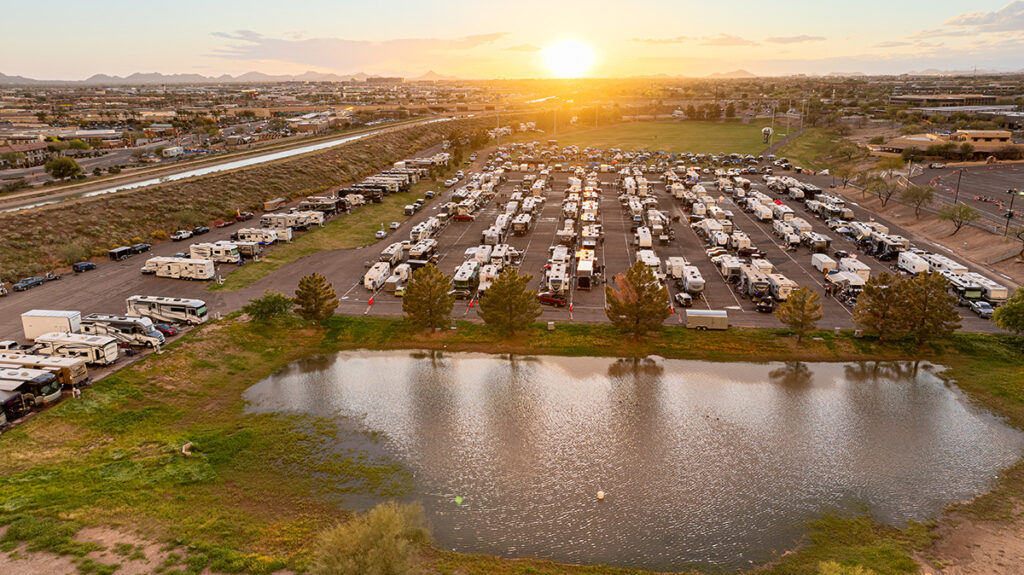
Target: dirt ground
982,248
862,136
972,547
142,558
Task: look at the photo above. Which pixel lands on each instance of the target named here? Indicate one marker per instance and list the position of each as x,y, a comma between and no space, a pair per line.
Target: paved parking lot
105,289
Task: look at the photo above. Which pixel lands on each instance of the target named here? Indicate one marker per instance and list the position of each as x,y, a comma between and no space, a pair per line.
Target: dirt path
970,547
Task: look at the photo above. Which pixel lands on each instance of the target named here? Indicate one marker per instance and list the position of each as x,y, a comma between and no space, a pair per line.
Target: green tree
959,215
966,151
13,158
879,307
912,154
382,541
800,312
917,196
692,113
63,168
1010,315
270,306
77,144
276,124
639,303
315,298
507,306
427,301
730,110
881,187
928,311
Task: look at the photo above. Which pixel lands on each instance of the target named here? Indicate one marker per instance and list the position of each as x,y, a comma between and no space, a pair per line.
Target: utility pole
959,175
1009,213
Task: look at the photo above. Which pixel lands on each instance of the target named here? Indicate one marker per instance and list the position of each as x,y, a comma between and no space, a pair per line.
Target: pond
716,464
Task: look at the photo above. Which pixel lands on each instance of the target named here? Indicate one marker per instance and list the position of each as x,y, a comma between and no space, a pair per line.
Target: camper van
180,268
126,329
220,252
167,309
94,349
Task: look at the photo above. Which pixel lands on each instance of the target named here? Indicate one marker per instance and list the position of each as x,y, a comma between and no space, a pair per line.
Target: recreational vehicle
126,329
94,349
167,309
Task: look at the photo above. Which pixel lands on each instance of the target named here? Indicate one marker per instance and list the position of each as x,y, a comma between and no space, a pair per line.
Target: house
33,154
984,142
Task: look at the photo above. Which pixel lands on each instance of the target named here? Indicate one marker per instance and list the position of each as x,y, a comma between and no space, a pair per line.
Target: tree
912,154
691,112
639,303
276,124
918,196
63,168
879,307
886,166
966,151
427,301
1010,315
382,541
959,215
881,187
13,158
928,311
800,312
78,144
730,110
269,307
315,298
507,306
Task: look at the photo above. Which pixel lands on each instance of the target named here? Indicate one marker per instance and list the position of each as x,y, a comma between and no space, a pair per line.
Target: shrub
158,235
381,541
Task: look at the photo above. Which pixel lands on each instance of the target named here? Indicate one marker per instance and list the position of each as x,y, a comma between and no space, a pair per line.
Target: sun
568,58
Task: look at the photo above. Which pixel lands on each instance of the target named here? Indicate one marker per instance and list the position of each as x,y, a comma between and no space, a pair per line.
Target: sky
72,40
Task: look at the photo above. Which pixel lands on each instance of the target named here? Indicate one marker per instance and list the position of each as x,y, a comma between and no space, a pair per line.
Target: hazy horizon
488,40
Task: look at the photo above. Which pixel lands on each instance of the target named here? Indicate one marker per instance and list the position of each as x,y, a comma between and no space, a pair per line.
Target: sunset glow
568,59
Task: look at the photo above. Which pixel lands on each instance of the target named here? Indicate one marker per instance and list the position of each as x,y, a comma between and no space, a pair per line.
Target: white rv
224,253
376,276
912,263
261,236
126,329
167,309
94,349
180,268
855,266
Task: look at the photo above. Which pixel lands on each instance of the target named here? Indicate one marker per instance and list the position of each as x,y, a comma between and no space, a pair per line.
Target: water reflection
717,464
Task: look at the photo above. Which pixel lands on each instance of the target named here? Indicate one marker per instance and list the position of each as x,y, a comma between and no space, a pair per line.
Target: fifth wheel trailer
39,321
180,268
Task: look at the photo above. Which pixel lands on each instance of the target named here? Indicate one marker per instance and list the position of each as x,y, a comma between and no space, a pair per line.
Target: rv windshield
199,311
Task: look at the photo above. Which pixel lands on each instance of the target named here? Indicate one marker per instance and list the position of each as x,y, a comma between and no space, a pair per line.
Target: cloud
726,40
676,40
344,55
793,39
1009,18
893,44
524,48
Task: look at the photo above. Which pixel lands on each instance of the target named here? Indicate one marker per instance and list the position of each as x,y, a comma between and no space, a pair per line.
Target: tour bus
126,329
94,349
69,371
36,386
167,309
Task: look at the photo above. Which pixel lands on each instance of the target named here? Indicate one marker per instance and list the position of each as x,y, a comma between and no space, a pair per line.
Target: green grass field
818,148
697,137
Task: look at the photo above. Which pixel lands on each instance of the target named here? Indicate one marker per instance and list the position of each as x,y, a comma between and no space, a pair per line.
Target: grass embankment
685,136
343,232
260,486
38,240
819,148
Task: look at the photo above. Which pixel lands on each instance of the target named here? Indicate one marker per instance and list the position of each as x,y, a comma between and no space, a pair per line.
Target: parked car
223,223
553,299
167,330
395,225
200,230
381,234
982,308
181,235
936,165
139,248
840,254
80,267
429,194
684,299
244,216
28,283
765,305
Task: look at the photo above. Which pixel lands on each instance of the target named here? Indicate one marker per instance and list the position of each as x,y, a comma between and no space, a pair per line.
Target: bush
272,305
158,235
73,252
877,141
381,541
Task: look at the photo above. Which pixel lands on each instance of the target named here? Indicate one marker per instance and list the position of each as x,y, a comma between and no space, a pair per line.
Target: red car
548,298
167,330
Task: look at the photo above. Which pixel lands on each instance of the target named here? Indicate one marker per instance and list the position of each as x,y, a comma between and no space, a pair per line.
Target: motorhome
856,266
762,265
70,371
502,256
912,263
245,249
466,279
782,212
521,224
762,213
375,277
94,349
993,292
36,386
557,277
848,283
693,283
261,236
963,287
487,275
729,266
753,283
424,249
126,329
559,255
739,240
817,243
167,309
652,261
180,268
308,218
392,254
674,267
219,252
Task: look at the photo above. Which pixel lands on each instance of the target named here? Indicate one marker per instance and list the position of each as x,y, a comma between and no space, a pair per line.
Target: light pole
1009,213
960,174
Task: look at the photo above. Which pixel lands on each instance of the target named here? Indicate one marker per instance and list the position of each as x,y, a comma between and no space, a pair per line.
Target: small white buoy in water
600,495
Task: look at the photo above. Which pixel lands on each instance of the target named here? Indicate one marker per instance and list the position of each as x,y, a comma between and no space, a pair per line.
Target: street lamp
1009,213
960,174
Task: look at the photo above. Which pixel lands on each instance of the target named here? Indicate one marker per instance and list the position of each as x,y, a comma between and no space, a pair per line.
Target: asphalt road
105,289
982,187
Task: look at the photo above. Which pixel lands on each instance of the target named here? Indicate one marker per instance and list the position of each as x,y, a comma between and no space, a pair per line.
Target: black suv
199,230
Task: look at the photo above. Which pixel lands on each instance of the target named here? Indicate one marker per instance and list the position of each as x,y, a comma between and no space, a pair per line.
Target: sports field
696,137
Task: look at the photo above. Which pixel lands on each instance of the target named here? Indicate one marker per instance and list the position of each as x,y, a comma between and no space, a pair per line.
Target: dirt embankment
42,239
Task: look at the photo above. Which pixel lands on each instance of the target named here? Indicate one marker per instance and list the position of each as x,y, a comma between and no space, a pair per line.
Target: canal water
717,464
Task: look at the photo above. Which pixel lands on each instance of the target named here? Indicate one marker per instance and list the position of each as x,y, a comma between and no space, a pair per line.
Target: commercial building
942,100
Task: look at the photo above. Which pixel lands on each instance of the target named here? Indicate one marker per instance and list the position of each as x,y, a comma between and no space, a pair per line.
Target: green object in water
458,499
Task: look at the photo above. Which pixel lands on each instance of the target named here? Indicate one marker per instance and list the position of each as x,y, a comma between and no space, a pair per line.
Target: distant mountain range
734,75
151,78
